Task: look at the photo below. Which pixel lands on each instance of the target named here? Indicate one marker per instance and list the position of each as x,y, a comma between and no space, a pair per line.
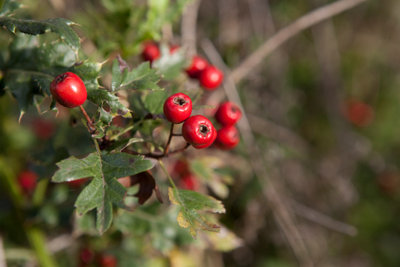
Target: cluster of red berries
87,257
228,114
197,130
209,76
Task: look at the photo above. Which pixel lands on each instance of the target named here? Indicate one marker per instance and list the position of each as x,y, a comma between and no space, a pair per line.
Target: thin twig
89,121
280,208
3,262
188,28
171,133
288,32
322,219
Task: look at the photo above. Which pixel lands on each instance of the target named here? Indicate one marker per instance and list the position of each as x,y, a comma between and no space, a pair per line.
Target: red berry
150,52
173,49
27,181
359,113
227,137
199,131
211,78
177,108
107,260
77,183
181,167
69,90
196,67
42,128
189,182
228,114
86,256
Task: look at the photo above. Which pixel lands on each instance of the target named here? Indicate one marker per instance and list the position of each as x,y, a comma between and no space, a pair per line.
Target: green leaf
101,96
8,7
170,65
59,26
153,101
141,78
104,190
193,205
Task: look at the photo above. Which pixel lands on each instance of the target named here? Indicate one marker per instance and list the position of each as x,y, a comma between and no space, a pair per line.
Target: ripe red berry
43,128
86,256
69,90
181,167
211,78
189,182
359,113
196,67
228,114
107,260
27,181
199,131
150,51
77,183
177,108
227,137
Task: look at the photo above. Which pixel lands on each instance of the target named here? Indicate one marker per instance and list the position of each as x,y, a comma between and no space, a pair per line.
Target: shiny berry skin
177,108
150,52
69,90
189,182
196,67
228,114
199,131
107,260
27,181
227,137
211,78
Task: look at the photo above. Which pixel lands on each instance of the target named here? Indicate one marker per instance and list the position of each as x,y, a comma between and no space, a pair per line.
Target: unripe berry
227,137
196,67
228,114
27,181
211,78
177,108
69,90
150,52
199,131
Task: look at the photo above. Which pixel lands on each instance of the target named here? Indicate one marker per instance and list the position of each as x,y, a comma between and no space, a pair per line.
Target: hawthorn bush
116,137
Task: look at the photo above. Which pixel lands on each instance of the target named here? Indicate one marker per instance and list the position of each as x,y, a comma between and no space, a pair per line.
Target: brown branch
89,121
281,210
171,133
188,27
288,32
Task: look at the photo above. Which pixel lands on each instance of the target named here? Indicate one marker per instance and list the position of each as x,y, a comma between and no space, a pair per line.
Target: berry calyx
227,137
196,67
177,107
150,51
27,181
228,114
69,90
199,131
211,78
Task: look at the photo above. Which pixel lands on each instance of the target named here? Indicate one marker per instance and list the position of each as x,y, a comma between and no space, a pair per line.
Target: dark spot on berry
204,129
180,101
61,77
234,109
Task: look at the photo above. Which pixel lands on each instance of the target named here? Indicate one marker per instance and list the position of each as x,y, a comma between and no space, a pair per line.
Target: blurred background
316,178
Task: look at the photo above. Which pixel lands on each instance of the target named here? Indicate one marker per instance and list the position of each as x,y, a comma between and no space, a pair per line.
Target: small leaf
101,96
193,205
8,7
59,26
170,65
71,169
153,101
147,185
